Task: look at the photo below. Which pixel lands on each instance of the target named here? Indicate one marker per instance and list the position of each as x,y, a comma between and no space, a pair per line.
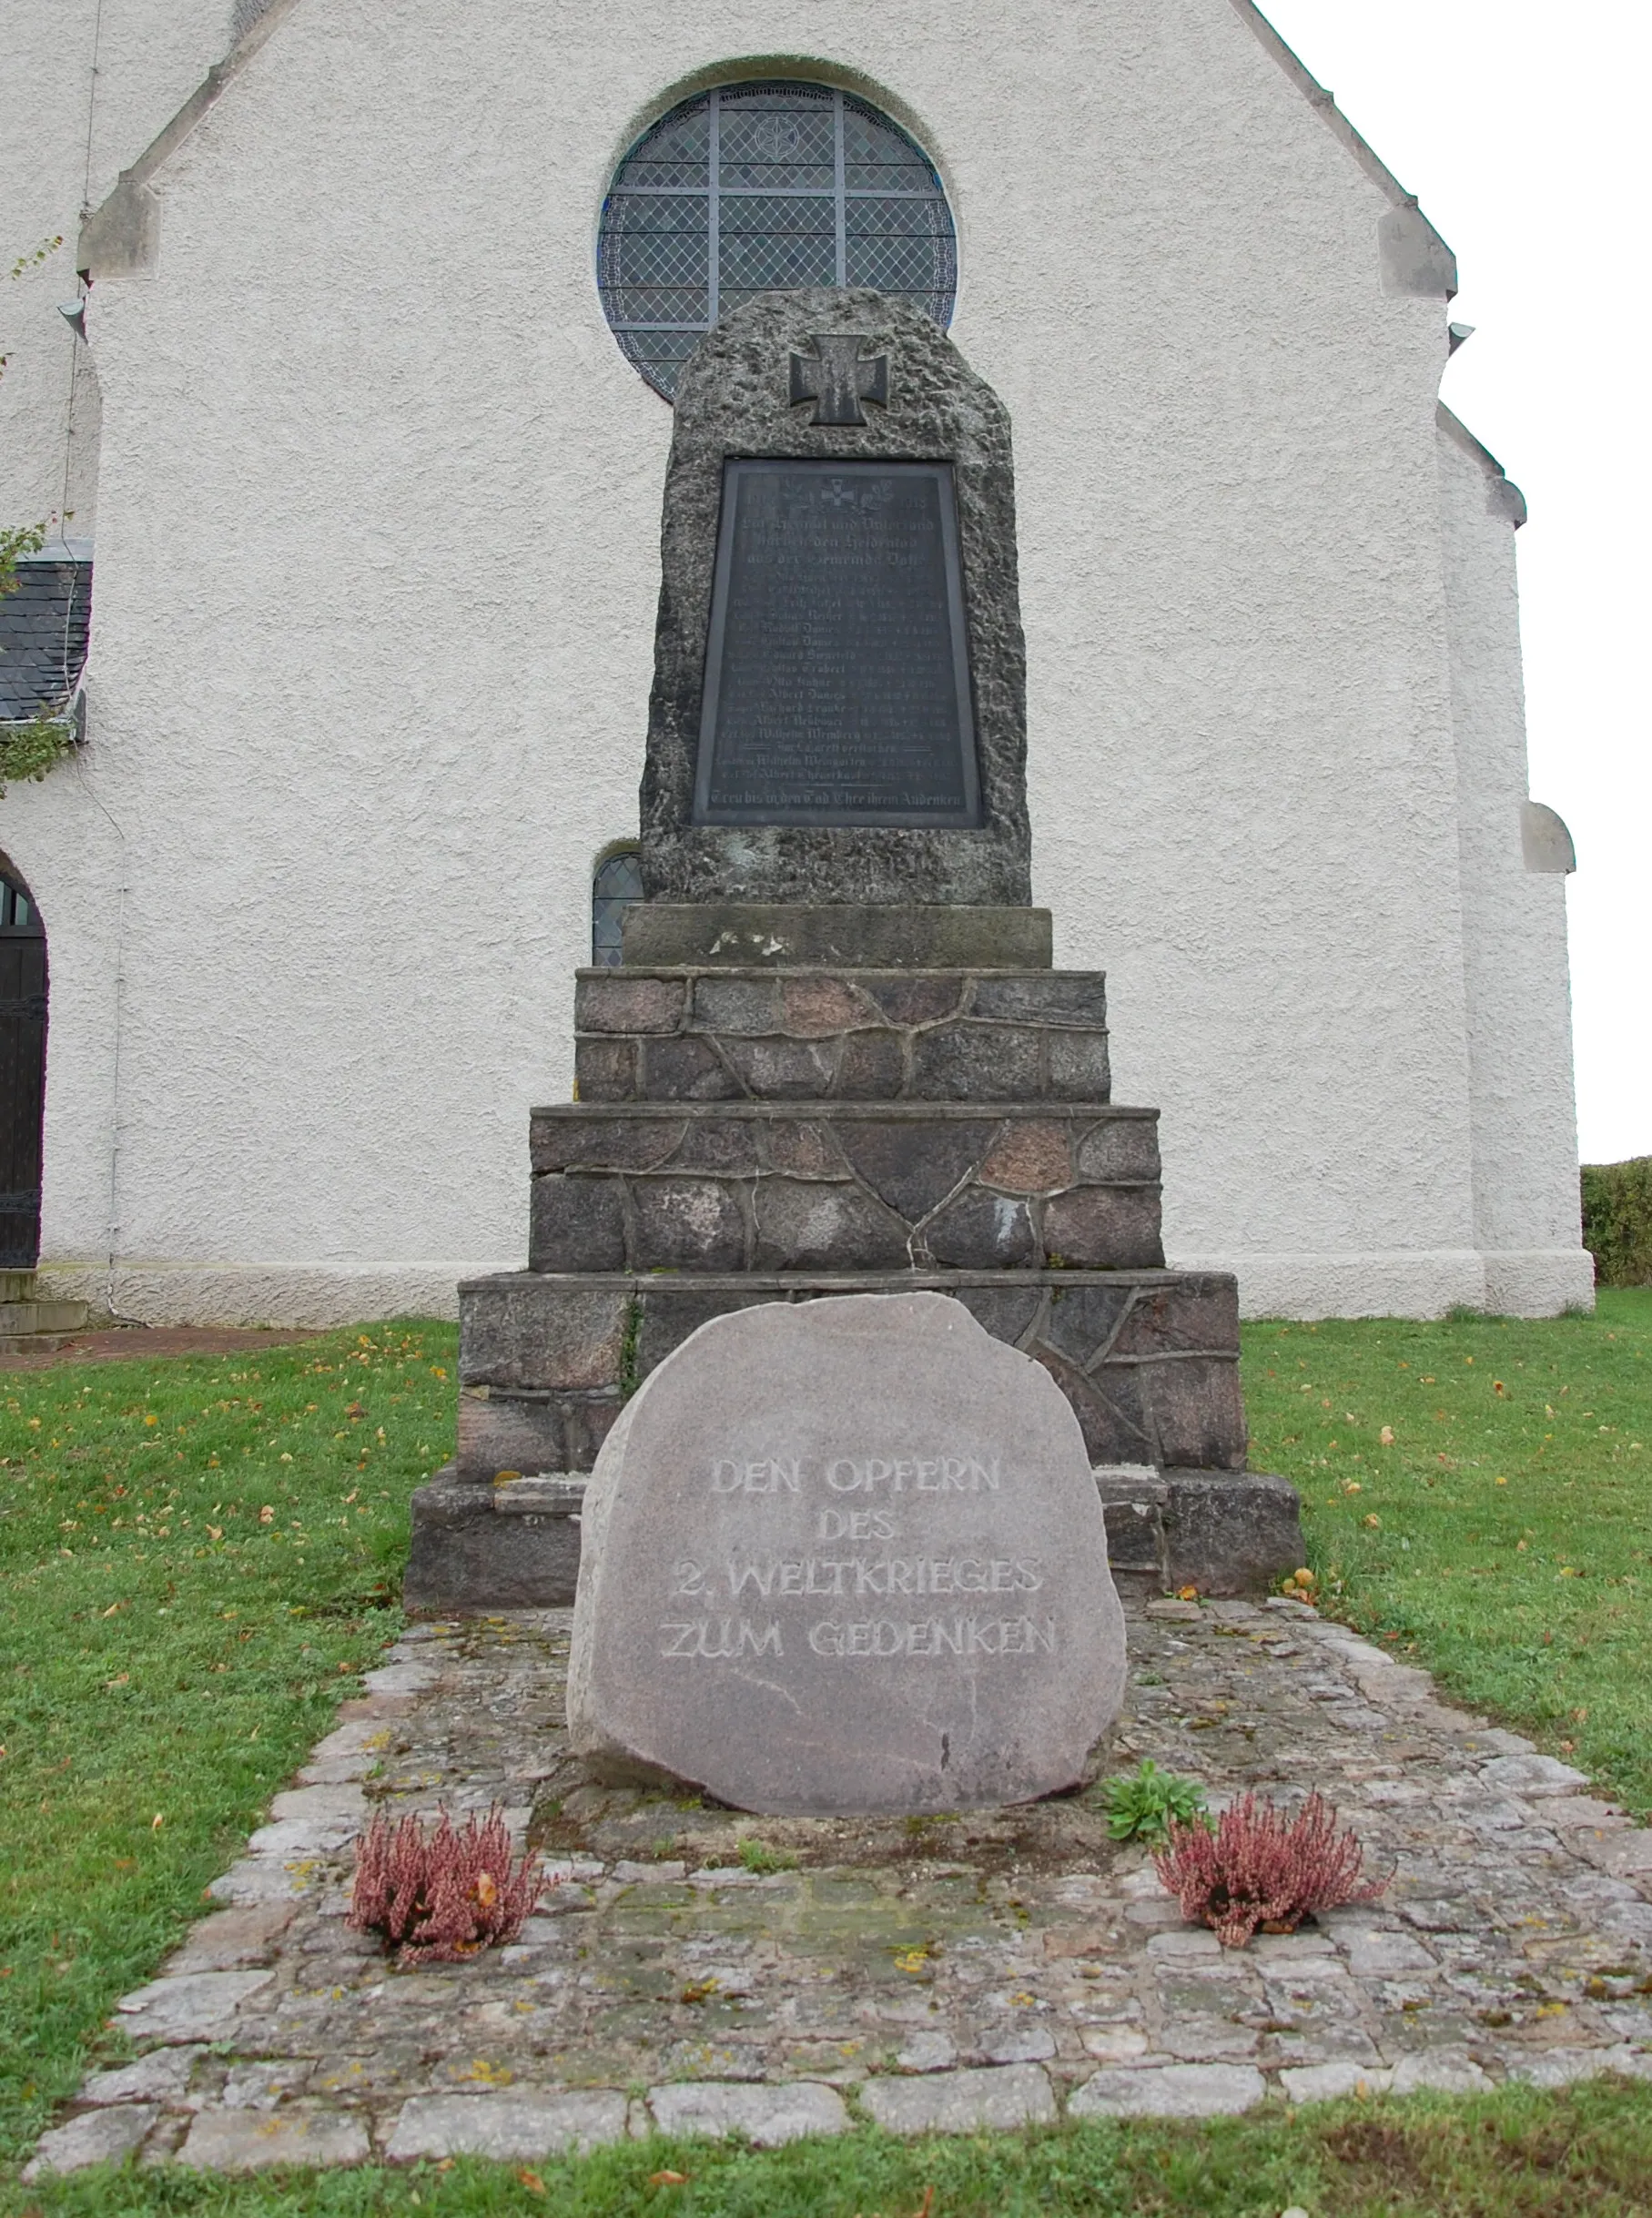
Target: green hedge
1618,1220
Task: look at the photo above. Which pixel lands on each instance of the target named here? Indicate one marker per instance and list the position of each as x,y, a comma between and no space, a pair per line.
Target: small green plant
17,543
1142,1803
631,1375
926,1824
757,1855
42,253
28,751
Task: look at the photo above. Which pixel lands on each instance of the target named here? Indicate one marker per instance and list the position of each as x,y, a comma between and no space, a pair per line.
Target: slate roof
43,637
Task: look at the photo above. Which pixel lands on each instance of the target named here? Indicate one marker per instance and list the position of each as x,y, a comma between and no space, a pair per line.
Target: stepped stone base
1149,1359
837,936
787,1104
481,1548
783,1186
517,1546
952,1033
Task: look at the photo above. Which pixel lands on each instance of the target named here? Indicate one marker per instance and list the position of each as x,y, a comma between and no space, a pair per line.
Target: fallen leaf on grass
533,2182
668,2179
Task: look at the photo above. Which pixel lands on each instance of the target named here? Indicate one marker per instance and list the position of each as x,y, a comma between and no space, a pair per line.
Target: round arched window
616,888
766,188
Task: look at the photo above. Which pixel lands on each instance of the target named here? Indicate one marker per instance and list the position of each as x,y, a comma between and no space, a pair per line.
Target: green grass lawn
1503,1531
198,1556
1512,2156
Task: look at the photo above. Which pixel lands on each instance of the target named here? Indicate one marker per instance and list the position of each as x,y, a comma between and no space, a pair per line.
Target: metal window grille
616,889
765,188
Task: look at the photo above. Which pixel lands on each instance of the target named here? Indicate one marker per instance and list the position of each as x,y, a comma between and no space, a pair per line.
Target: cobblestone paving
934,1974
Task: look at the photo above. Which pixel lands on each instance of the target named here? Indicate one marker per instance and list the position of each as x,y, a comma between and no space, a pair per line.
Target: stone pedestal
748,1133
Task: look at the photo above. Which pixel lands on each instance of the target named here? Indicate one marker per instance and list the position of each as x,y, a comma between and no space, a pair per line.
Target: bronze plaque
837,665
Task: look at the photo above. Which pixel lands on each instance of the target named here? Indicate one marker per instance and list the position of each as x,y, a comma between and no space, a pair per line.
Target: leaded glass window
766,188
616,889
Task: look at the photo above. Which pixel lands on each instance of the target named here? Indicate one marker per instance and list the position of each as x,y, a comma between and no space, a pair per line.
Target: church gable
121,236
1415,258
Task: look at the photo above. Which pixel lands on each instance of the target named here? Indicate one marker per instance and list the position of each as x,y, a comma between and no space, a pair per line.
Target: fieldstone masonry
913,1035
849,1186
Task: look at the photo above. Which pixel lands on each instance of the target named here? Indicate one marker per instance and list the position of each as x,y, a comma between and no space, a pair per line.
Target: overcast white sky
1523,129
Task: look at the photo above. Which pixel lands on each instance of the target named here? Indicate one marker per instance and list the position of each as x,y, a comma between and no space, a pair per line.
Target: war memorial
835,1091
848,1410
848,1400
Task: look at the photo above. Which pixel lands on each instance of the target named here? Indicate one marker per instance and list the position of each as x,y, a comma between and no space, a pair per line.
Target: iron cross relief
839,381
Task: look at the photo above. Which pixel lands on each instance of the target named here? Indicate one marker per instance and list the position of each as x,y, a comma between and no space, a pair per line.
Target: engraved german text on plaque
836,666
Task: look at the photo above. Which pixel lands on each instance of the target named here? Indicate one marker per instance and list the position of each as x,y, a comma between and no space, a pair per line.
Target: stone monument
841,1558
839,710
836,1059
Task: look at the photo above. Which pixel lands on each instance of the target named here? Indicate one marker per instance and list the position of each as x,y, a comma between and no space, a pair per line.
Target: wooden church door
23,977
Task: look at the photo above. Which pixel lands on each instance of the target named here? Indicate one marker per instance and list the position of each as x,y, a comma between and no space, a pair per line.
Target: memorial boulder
846,1557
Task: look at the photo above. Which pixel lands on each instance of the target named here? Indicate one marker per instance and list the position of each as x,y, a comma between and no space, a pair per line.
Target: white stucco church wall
377,558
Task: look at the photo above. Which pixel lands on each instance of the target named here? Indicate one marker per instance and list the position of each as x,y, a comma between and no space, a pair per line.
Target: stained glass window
766,188
616,889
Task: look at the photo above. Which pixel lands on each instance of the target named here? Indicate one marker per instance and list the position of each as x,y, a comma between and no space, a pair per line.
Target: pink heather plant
1262,1868
441,1897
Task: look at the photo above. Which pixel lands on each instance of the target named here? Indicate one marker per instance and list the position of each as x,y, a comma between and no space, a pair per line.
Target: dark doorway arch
22,990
